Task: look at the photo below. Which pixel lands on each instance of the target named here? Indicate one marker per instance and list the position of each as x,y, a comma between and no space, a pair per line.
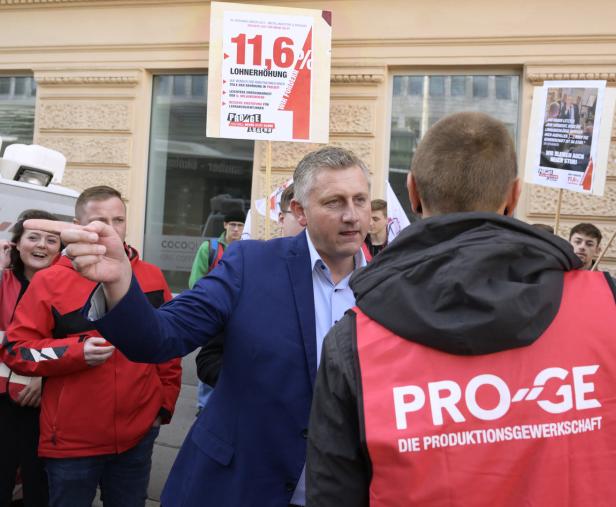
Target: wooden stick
609,243
557,217
268,189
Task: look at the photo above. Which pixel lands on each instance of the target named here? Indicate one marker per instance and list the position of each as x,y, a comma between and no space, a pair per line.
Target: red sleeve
29,347
170,373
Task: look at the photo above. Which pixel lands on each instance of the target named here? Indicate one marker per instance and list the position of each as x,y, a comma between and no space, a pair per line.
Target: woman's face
37,250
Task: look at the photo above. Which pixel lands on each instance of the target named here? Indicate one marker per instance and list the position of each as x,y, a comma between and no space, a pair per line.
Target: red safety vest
533,426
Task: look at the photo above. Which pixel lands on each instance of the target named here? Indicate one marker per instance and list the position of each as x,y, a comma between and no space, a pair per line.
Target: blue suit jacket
248,447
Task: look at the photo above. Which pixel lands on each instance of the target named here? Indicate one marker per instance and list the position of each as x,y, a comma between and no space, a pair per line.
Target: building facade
120,88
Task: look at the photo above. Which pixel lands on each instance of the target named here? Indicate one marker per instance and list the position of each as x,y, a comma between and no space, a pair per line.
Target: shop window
17,103
192,180
414,115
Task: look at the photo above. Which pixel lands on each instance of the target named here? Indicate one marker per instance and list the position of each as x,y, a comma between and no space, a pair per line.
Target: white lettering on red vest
446,396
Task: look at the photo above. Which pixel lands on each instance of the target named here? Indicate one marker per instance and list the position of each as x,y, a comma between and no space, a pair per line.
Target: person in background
586,241
376,239
211,250
20,259
286,218
100,412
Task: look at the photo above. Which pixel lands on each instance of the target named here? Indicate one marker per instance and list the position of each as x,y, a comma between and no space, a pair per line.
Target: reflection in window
437,86
480,86
458,86
412,115
397,88
192,180
415,85
503,87
17,103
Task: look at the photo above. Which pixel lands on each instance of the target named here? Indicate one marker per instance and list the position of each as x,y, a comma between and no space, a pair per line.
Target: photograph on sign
269,73
564,136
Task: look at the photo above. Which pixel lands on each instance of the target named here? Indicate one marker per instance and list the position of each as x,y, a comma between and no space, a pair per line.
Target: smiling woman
28,252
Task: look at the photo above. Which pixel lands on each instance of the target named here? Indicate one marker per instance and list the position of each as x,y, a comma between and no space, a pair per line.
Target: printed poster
566,147
269,73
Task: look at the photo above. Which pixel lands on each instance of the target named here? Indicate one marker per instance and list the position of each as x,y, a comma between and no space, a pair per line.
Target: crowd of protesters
339,368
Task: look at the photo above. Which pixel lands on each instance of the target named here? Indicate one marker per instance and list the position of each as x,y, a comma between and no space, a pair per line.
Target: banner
269,73
567,145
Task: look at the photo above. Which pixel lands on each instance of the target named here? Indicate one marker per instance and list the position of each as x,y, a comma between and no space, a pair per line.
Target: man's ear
299,213
411,186
512,198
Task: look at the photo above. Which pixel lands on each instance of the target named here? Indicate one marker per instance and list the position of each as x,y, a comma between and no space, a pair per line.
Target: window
480,86
17,102
415,85
437,86
397,87
414,115
458,86
503,87
192,180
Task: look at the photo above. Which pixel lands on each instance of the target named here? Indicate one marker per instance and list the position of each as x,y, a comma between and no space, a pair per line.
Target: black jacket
465,283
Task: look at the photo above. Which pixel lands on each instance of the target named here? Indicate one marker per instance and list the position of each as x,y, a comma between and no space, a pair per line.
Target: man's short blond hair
465,162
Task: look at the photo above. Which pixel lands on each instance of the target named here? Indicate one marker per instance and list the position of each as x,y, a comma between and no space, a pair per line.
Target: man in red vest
479,365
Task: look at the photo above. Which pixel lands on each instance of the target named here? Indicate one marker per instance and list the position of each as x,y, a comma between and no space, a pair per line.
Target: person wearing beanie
211,251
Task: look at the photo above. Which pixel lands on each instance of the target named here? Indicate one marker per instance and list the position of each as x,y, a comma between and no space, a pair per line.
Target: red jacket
10,287
528,426
87,411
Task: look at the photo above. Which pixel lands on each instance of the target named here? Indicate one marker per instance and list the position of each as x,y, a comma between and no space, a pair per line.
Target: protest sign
569,136
269,73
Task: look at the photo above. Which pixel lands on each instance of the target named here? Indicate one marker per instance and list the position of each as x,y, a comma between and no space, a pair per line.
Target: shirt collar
359,258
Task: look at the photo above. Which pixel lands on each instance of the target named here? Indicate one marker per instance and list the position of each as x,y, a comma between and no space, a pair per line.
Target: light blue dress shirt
330,302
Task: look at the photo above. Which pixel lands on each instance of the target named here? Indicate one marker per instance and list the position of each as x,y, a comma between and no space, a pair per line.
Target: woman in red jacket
27,253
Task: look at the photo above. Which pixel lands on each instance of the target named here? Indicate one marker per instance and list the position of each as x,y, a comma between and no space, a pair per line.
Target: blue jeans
123,478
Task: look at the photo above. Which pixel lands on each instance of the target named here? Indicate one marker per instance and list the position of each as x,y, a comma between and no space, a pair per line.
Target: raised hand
96,251
5,253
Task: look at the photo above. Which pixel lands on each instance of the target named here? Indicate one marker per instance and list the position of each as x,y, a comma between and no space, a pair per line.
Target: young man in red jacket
100,412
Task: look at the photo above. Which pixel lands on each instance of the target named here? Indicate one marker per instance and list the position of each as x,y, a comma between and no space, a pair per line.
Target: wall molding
87,80
539,78
360,79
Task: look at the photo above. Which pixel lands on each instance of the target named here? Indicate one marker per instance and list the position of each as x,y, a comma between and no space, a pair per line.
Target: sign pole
268,189
558,204
609,243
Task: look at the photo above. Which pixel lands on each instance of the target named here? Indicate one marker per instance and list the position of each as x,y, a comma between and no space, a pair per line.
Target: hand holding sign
96,251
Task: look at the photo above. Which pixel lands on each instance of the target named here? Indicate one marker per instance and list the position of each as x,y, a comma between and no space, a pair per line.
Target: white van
29,177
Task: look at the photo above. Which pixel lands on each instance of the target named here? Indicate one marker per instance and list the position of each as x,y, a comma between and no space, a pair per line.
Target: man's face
233,231
290,225
569,100
378,222
586,248
110,211
337,212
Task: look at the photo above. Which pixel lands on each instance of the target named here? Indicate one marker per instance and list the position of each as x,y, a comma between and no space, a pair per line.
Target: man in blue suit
275,301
